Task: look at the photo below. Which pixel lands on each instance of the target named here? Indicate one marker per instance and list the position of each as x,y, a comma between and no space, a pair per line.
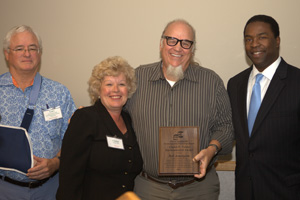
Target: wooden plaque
177,148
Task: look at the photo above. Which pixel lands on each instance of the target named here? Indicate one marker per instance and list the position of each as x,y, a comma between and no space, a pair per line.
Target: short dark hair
266,19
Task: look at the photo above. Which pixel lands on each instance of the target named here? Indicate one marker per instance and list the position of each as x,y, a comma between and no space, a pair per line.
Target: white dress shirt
265,81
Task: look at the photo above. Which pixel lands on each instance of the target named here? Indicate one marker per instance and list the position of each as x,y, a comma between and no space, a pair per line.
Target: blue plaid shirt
46,136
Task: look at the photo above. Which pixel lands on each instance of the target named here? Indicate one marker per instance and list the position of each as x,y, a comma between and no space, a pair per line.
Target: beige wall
79,34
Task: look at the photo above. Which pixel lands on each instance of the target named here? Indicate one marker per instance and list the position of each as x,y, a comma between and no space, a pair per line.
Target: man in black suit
267,155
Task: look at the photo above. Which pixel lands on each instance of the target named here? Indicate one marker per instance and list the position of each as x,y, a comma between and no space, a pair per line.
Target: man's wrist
216,147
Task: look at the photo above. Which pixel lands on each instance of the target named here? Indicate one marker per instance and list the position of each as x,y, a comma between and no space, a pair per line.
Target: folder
15,149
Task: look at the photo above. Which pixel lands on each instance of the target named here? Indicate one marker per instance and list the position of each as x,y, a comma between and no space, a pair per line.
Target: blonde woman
100,156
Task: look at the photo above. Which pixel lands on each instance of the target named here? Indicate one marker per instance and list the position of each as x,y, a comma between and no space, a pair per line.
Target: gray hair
20,29
181,21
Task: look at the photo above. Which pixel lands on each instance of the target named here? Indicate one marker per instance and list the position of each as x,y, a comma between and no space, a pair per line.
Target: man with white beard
177,92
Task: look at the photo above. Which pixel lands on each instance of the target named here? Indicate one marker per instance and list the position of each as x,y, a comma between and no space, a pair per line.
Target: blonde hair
112,66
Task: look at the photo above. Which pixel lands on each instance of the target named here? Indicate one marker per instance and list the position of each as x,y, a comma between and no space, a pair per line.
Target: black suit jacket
89,169
268,163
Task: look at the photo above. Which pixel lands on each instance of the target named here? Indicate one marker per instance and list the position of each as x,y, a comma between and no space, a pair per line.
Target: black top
89,169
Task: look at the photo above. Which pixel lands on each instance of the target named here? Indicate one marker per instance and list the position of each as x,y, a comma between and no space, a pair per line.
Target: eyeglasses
172,41
33,49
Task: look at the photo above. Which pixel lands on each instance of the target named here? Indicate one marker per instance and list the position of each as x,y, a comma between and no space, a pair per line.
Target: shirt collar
6,79
16,84
157,73
268,72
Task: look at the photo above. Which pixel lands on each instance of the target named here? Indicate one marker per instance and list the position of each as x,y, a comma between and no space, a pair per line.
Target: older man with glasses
177,92
38,105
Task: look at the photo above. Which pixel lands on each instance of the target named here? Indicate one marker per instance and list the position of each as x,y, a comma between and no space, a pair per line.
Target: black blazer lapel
112,129
272,93
242,101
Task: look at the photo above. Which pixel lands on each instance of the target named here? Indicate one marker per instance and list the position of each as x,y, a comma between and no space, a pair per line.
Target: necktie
254,102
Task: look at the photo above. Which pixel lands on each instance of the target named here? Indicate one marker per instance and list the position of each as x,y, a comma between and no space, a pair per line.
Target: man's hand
43,168
204,157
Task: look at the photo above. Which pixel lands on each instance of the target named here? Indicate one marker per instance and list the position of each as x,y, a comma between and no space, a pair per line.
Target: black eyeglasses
172,41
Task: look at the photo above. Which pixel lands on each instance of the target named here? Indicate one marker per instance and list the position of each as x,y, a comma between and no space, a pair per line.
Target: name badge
52,113
115,143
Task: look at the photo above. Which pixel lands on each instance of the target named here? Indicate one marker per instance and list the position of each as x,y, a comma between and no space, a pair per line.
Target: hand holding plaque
177,147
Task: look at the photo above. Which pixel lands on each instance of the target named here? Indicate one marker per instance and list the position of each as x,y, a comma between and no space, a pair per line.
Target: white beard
174,73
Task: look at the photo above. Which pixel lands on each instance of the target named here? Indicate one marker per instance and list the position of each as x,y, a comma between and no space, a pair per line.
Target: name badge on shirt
115,143
52,113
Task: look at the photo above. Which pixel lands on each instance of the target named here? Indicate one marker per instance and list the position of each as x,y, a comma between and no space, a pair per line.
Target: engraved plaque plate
177,148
